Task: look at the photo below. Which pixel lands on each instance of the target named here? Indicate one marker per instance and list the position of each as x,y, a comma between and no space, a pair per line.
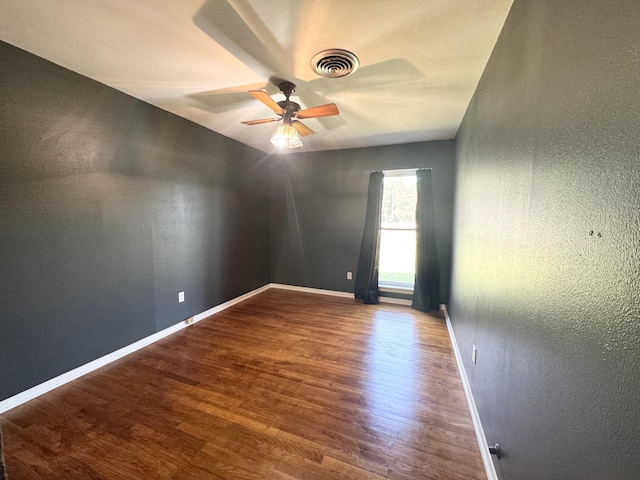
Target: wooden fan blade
321,111
258,122
267,100
302,129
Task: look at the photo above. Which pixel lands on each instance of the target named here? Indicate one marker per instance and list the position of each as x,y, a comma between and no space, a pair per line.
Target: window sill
392,287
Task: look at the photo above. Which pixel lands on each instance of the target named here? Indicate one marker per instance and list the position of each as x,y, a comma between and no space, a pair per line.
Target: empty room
311,239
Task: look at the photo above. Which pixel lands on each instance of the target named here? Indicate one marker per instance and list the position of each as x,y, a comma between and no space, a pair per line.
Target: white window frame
395,287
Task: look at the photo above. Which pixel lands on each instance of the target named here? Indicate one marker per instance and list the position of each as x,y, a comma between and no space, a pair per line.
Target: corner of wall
475,417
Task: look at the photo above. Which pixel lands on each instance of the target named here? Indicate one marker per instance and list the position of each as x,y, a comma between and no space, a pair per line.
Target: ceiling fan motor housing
290,109
287,88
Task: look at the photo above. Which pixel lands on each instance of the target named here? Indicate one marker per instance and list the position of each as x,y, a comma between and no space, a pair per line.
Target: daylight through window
398,230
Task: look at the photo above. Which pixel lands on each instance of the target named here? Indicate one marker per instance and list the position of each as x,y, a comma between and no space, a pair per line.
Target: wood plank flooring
285,385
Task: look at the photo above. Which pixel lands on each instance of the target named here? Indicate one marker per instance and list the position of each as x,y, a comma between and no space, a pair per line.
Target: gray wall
108,208
548,154
318,208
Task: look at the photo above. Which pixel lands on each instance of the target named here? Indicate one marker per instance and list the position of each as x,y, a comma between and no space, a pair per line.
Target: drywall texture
319,203
108,208
547,242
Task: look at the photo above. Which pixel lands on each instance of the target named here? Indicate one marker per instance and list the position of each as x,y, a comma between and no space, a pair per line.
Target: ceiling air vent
334,63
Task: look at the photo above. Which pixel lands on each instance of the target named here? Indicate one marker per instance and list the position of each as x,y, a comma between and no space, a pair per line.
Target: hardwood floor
285,385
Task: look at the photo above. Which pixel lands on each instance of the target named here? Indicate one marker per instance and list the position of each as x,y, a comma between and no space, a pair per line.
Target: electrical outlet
190,321
349,275
180,297
474,354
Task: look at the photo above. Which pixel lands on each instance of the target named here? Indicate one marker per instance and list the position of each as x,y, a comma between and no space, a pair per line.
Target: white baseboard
489,467
36,391
231,303
60,380
319,291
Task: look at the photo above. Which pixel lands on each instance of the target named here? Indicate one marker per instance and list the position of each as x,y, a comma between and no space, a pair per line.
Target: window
398,230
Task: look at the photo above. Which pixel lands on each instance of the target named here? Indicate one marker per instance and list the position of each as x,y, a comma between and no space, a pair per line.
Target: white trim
489,467
395,288
334,293
231,303
60,380
42,388
317,291
405,172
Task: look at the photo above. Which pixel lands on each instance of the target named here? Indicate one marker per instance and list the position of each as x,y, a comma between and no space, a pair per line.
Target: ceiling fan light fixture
286,136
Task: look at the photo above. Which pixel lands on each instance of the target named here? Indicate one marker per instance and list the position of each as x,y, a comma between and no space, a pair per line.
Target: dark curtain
426,291
367,273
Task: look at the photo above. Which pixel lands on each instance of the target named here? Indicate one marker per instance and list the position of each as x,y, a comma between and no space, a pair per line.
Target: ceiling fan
288,135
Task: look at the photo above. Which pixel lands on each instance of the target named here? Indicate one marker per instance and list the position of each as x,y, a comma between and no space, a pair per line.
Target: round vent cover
334,63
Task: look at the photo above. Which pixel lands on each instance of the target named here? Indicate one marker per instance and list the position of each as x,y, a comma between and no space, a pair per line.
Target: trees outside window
398,230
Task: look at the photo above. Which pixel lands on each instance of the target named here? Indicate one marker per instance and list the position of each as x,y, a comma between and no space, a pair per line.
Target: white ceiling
420,61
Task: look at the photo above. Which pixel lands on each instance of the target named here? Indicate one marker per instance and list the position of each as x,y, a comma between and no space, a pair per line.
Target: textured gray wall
318,208
108,208
546,263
